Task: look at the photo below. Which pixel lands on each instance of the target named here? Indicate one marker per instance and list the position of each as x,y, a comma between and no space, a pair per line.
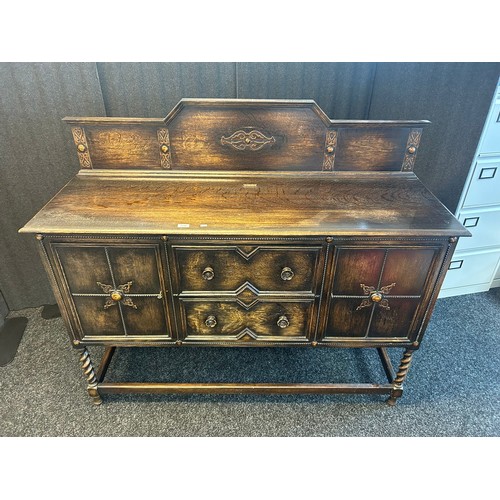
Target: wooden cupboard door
218,320
226,268
115,289
381,292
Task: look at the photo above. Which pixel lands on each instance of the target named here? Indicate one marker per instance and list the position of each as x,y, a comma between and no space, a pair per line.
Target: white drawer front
484,188
491,139
484,226
471,269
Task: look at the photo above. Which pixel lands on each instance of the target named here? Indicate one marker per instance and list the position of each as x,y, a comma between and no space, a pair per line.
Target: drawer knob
164,148
283,322
287,274
412,150
208,273
211,321
374,295
116,295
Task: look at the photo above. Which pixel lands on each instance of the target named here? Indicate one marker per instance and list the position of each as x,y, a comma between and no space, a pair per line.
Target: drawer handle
118,294
208,273
471,221
211,321
283,322
377,296
488,173
287,274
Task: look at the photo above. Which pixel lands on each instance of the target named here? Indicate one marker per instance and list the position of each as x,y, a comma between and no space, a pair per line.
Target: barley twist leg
88,371
397,390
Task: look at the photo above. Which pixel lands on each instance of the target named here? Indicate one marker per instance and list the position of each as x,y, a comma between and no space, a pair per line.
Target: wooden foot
397,388
88,371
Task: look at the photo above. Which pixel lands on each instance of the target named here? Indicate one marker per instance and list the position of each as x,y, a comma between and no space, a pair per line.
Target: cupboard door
116,289
380,293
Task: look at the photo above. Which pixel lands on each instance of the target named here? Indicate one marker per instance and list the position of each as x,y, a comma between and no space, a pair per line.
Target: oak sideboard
245,223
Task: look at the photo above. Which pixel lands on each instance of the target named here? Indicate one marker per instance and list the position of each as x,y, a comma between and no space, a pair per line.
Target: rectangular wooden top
336,204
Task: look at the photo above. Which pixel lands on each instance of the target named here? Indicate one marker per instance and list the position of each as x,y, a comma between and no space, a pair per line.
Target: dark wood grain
237,388
236,323
85,267
254,135
318,204
371,149
261,268
126,146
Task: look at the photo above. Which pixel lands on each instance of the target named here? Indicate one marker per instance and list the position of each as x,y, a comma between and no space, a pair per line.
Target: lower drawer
471,268
229,320
483,226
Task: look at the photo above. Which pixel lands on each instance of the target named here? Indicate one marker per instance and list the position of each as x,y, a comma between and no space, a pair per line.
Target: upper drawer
484,187
490,142
483,225
266,268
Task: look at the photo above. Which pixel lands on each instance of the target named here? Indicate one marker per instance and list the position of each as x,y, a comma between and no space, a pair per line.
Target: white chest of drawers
475,266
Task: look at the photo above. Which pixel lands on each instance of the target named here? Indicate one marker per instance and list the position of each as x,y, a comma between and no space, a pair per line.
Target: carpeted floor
452,389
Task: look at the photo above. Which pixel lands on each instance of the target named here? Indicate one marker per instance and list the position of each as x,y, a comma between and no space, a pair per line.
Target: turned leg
89,373
397,390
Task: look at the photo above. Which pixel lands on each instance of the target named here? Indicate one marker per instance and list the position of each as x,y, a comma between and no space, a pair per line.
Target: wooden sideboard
245,223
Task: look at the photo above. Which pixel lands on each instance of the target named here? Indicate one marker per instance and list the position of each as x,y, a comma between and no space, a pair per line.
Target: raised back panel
251,137
246,135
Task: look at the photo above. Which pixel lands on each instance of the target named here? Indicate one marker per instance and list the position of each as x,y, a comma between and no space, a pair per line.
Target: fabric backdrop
37,155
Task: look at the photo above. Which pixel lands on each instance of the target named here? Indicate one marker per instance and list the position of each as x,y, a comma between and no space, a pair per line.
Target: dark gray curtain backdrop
37,156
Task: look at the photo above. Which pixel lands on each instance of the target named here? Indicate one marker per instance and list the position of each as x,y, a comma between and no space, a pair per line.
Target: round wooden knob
164,148
81,148
208,273
211,321
116,295
376,296
283,322
287,274
412,150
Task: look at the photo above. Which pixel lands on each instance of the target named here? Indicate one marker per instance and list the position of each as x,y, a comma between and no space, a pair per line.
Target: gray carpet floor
452,388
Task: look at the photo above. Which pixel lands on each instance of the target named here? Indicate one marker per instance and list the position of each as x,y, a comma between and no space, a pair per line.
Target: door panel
84,267
408,268
114,288
138,265
381,292
396,321
95,320
147,319
345,321
356,266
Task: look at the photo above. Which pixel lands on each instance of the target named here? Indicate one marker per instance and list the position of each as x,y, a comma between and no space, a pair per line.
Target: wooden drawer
484,187
381,292
265,268
225,320
484,226
114,290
